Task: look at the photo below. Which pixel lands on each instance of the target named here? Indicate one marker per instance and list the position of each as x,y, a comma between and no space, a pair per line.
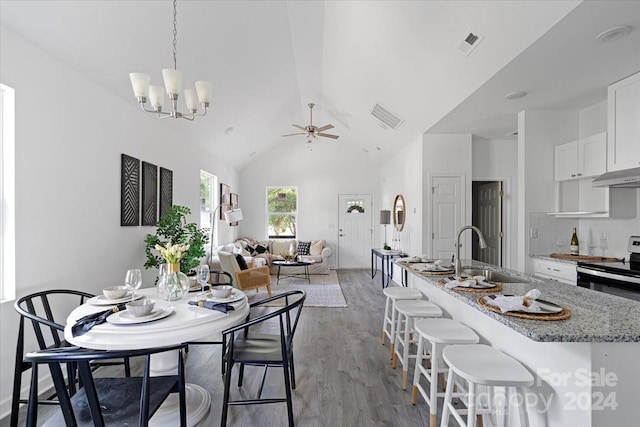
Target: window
208,198
7,194
282,212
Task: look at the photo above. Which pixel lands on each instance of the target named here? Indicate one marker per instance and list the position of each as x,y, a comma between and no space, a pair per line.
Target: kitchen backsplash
549,229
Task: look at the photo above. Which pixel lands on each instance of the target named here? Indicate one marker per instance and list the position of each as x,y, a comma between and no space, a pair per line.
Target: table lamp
385,219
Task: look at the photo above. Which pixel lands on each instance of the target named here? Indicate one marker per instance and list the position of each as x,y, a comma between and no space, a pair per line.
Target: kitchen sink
492,276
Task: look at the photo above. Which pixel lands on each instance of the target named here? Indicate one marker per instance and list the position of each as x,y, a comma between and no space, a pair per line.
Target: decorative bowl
141,307
115,292
221,291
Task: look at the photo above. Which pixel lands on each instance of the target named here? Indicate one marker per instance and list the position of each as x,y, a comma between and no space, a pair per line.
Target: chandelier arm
144,107
187,117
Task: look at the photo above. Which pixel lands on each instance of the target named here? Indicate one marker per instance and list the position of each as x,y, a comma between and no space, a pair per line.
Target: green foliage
173,228
284,202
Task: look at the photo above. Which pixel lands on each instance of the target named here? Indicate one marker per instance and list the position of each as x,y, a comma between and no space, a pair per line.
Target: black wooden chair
47,311
105,401
246,346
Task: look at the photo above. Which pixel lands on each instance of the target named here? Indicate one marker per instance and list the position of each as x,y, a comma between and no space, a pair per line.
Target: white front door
447,210
355,232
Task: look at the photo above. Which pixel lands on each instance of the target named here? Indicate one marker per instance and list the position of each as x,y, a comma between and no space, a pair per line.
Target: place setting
528,306
428,267
475,284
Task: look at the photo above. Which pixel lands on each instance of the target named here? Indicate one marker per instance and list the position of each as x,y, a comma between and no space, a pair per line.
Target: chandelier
143,90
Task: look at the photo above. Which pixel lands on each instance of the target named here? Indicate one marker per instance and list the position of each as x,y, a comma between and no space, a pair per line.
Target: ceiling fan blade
293,134
299,127
326,127
326,135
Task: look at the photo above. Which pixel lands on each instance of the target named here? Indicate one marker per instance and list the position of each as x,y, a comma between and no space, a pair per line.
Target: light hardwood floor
344,376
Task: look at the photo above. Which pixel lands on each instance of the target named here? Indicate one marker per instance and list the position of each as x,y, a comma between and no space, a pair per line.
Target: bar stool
439,333
408,312
480,364
394,294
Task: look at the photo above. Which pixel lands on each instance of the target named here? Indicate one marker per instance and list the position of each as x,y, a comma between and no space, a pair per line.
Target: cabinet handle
579,174
573,175
552,269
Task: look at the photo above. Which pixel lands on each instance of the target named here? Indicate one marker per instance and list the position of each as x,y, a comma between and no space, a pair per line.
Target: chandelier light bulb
172,82
204,90
191,99
140,83
156,97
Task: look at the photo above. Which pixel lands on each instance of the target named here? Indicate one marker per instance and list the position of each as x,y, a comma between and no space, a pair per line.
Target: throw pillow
241,262
316,247
251,250
303,248
261,249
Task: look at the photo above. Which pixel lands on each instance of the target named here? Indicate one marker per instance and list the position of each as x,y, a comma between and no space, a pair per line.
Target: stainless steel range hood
623,178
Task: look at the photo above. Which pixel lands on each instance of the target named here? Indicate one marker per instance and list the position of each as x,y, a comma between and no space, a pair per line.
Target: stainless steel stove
616,278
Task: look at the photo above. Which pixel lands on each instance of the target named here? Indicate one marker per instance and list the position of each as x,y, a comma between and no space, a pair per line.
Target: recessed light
229,130
365,150
614,33
515,95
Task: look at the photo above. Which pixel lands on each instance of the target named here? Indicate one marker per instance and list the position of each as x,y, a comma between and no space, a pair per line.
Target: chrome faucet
483,244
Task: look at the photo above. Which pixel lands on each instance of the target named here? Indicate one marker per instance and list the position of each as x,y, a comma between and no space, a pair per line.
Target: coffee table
288,264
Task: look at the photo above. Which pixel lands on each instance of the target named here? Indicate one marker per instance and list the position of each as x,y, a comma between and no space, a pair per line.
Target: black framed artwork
149,194
234,205
225,199
129,191
166,191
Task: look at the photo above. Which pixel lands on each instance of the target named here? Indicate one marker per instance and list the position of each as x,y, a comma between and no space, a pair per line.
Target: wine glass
591,244
202,275
133,281
163,270
603,241
560,244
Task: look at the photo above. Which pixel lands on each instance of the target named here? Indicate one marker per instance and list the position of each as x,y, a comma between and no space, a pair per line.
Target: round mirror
399,216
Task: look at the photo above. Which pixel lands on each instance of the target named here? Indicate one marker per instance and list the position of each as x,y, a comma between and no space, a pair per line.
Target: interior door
489,221
355,232
447,210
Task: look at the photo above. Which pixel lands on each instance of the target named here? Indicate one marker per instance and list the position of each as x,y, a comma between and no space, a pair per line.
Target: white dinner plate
125,318
102,300
235,296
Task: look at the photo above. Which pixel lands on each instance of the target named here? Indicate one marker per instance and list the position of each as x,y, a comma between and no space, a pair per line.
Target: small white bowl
141,307
479,278
115,292
221,291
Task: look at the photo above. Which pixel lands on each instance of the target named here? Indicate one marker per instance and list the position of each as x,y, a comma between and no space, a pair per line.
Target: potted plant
174,229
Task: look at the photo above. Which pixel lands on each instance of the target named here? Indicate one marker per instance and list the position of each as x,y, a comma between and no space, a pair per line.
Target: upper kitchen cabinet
586,157
624,124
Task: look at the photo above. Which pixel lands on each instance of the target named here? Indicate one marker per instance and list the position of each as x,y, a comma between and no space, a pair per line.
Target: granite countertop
595,316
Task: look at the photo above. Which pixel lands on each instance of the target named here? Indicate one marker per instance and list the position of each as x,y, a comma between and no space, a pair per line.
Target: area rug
324,290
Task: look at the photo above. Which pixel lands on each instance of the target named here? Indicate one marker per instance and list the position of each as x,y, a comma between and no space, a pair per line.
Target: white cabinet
560,271
623,145
584,158
592,155
565,161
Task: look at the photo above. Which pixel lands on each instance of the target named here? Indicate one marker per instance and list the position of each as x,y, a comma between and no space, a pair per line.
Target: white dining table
186,323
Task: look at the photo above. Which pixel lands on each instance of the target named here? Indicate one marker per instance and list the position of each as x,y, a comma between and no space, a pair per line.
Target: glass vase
175,284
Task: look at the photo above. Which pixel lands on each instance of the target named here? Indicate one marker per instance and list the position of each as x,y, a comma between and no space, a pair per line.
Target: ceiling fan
312,131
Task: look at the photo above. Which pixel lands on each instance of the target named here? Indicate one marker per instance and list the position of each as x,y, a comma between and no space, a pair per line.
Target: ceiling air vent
469,42
385,116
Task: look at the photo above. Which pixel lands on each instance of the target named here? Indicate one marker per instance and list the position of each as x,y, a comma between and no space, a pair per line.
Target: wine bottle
575,245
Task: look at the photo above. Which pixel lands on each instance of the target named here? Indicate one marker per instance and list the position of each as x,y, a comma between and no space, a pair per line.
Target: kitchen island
586,367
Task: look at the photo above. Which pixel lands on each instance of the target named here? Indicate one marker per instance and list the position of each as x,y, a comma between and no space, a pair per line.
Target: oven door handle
619,277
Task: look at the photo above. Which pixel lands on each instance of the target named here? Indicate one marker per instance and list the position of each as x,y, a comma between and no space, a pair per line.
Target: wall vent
389,118
469,42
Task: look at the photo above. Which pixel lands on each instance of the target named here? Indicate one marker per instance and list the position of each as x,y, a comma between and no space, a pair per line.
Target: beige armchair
252,278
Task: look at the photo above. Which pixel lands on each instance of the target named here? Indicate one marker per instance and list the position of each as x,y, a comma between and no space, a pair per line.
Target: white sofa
319,253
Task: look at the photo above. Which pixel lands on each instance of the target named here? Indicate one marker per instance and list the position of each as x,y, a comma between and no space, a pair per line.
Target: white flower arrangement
172,253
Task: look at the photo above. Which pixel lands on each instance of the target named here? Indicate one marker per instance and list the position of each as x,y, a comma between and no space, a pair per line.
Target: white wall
70,134
497,160
402,174
538,133
331,168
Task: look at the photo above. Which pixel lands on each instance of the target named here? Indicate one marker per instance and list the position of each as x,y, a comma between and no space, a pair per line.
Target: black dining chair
47,312
102,401
246,345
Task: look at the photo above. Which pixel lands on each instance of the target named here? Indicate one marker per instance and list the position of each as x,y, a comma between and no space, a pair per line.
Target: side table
385,256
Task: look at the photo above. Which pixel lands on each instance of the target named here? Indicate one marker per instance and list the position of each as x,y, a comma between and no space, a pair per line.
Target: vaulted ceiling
268,59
